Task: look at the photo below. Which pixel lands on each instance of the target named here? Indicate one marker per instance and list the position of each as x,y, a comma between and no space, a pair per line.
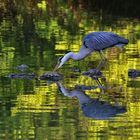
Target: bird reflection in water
93,108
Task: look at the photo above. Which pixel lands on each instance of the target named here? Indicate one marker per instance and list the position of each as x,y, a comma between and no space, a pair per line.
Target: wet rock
133,73
92,73
51,76
22,67
21,75
83,87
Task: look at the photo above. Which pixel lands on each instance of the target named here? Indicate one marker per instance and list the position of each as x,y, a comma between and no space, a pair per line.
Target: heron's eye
60,58
85,44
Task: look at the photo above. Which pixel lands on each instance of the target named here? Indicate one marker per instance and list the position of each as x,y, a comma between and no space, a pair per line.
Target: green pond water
36,33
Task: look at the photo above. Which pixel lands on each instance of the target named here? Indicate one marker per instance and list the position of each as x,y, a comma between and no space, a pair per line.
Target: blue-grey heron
95,41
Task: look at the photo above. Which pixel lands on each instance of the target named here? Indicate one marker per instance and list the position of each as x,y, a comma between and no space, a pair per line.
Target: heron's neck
79,55
83,98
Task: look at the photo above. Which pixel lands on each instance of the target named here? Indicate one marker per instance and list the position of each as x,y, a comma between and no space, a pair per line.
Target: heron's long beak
56,67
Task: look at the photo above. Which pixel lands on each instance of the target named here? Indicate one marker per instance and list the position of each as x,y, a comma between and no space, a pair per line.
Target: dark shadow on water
93,108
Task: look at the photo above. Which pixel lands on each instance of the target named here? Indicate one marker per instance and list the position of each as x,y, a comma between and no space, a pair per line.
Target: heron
94,41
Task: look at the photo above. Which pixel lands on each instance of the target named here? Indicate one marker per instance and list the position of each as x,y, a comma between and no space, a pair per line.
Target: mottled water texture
81,103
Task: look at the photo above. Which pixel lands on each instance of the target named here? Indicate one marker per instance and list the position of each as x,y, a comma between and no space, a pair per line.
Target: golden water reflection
36,33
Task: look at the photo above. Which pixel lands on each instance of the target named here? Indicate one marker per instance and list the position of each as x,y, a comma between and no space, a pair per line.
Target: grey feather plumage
101,40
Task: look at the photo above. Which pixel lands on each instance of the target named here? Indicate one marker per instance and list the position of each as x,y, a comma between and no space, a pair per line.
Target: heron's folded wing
101,40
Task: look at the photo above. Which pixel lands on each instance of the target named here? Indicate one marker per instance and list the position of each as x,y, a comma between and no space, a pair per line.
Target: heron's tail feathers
123,41
121,109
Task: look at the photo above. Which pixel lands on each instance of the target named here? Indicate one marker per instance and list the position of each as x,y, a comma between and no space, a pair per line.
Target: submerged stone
22,67
133,73
21,75
51,76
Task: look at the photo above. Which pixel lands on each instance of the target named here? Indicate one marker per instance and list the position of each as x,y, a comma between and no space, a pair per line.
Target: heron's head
62,60
59,63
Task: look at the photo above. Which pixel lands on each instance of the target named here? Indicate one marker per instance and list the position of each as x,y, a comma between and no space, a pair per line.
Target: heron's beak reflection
56,67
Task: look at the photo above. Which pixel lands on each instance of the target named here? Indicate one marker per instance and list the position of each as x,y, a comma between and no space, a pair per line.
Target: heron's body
95,41
101,40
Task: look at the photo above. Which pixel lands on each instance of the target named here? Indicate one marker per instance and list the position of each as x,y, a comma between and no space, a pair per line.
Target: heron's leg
102,55
99,65
103,60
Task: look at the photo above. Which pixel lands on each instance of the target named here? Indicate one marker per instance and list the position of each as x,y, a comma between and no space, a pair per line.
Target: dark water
36,33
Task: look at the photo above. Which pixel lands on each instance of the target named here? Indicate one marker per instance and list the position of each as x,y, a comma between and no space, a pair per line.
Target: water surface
36,33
